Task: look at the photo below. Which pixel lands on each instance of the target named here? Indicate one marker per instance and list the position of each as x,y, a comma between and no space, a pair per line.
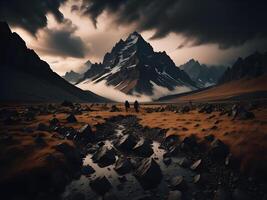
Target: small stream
131,189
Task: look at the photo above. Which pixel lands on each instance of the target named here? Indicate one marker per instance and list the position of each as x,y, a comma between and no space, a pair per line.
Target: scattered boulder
85,134
189,143
185,162
178,183
71,118
104,157
218,150
170,140
208,108
167,161
100,185
54,122
239,112
175,195
209,137
148,173
127,142
123,166
196,165
143,148
114,108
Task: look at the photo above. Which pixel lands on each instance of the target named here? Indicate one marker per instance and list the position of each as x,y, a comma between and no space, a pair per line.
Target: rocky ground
73,151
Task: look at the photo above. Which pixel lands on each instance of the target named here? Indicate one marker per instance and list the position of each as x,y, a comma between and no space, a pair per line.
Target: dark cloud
30,14
227,23
63,41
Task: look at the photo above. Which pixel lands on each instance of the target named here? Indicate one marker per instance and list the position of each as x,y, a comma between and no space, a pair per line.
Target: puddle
131,189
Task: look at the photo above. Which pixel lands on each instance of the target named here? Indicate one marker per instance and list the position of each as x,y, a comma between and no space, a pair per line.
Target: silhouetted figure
136,106
127,105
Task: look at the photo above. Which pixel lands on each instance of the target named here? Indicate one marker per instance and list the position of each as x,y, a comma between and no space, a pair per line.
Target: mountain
72,76
245,80
252,66
25,77
133,67
202,74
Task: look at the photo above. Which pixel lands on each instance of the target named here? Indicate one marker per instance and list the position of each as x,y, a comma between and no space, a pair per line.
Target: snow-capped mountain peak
133,67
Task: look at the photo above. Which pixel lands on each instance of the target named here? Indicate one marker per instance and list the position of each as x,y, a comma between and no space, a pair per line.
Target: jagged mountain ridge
202,74
25,77
132,66
252,66
72,76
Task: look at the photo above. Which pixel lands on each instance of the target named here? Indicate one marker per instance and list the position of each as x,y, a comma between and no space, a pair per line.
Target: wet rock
174,150
143,148
148,173
167,161
175,195
232,162
122,179
185,162
87,170
123,166
104,157
196,165
100,185
218,150
114,108
239,194
85,134
127,142
71,119
222,194
178,183
67,132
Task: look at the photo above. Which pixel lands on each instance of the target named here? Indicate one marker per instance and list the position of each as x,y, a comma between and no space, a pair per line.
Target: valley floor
31,151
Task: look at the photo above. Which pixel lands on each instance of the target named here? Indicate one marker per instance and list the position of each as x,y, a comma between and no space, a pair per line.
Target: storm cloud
228,23
31,14
62,41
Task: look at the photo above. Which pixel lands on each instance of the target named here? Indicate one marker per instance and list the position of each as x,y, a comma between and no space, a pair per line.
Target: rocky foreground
73,151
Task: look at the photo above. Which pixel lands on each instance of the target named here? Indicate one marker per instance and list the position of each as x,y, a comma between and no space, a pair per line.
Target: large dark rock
240,113
175,195
72,154
127,142
123,166
178,183
104,157
100,185
143,148
148,173
71,118
87,170
85,134
218,150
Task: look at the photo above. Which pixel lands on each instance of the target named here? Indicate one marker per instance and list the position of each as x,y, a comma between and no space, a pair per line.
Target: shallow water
131,189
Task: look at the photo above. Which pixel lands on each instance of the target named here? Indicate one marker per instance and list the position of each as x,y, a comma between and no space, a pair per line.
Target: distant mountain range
25,77
250,67
245,80
133,67
202,74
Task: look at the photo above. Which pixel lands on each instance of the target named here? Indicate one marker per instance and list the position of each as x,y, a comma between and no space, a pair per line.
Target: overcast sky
67,33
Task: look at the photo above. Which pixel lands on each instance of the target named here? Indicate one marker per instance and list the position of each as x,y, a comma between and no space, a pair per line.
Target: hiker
127,105
136,106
